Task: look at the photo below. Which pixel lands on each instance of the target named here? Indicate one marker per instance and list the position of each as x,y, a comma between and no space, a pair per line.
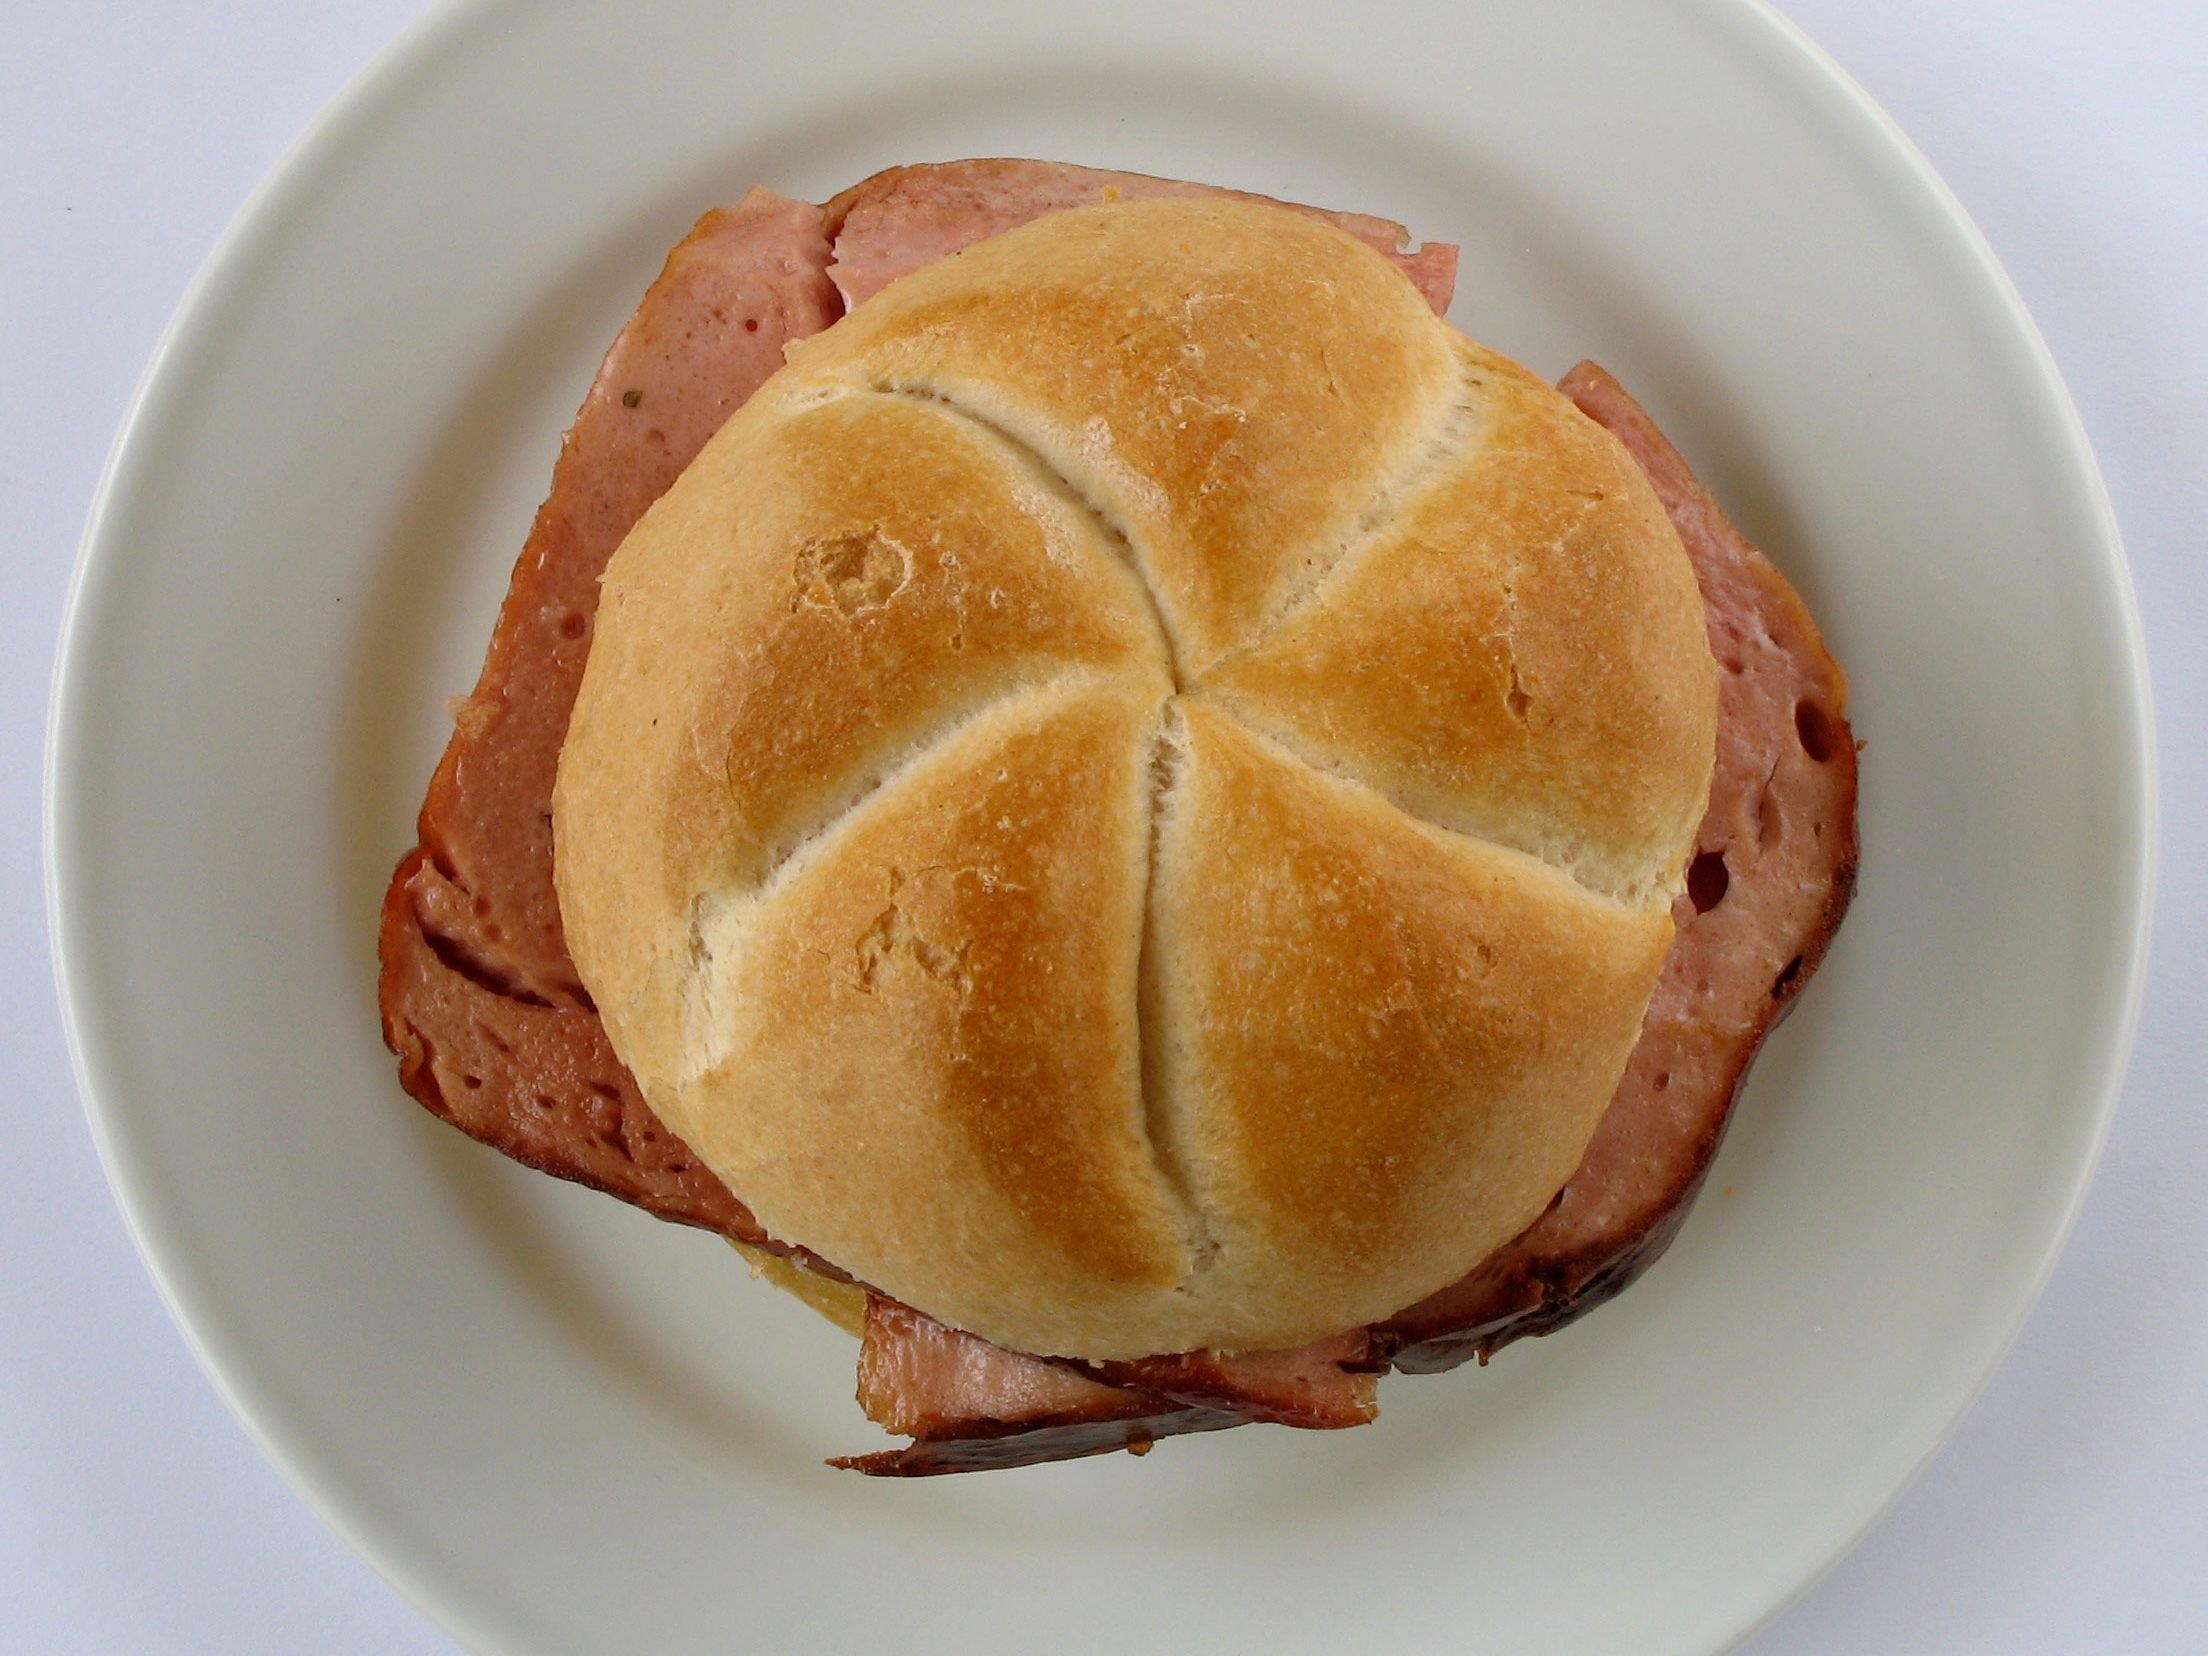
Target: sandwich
1147,825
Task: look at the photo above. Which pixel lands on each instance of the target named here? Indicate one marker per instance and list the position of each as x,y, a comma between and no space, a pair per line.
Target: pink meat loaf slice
898,220
921,1380
1773,872
492,1027
1323,1386
975,1407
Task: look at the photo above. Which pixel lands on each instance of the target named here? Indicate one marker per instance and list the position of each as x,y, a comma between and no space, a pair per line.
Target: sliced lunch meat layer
923,1381
1773,870
493,1030
936,1384
899,220
1037,1445
533,1077
1317,1387
746,281
920,1379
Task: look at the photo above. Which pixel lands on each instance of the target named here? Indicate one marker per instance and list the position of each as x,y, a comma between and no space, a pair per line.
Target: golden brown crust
931,1061
1184,362
766,655
895,689
1501,659
1388,1043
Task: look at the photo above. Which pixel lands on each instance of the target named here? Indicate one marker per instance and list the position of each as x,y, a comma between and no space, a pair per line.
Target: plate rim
100,556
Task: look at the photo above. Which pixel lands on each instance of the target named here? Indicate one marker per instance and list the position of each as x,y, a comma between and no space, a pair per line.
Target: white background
2070,1512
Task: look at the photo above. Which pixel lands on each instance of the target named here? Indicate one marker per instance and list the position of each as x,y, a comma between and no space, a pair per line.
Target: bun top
1130,798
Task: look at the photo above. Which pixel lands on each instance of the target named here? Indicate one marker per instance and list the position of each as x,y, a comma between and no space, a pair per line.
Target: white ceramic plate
562,1427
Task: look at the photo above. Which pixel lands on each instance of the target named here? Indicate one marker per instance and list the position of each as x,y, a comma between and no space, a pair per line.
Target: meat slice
971,1406
746,281
1317,1387
893,223
493,1030
527,1075
920,1379
923,1380
1773,871
1036,1445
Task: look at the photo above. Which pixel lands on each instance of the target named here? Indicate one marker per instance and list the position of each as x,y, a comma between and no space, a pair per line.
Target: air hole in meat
1814,725
545,1101
1663,1081
751,324
1787,974
471,1081
573,624
605,1090
1735,666
1707,878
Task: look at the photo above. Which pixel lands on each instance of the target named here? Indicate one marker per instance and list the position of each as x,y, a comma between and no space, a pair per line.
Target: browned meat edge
1033,1445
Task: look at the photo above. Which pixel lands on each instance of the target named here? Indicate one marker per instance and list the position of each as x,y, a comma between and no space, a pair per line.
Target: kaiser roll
1130,798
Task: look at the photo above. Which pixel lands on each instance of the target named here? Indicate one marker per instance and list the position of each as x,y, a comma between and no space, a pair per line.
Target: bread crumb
474,715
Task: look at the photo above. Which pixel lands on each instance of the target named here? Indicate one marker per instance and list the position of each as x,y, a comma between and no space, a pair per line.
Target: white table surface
2070,1512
